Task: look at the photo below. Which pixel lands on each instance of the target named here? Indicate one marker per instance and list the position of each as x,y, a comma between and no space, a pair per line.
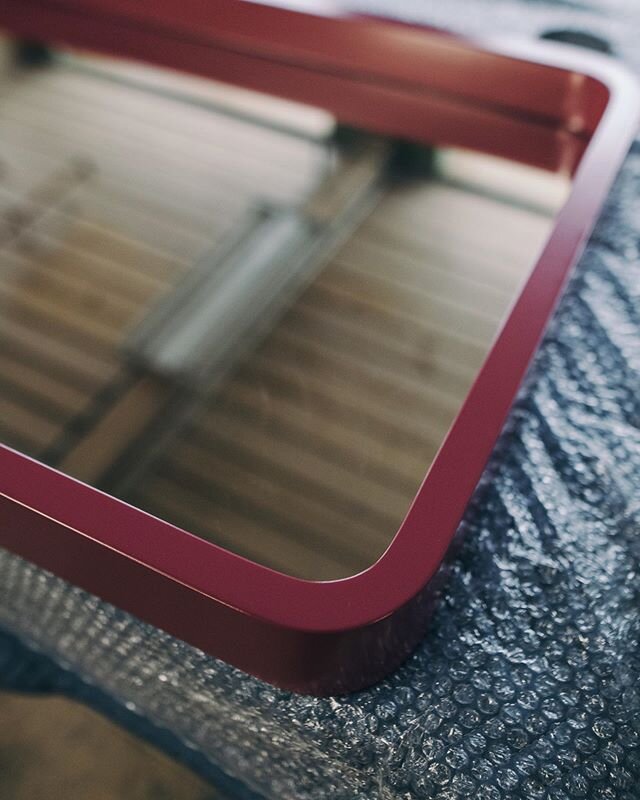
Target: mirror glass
227,311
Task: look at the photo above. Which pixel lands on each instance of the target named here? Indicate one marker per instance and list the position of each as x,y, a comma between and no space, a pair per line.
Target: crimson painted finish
542,104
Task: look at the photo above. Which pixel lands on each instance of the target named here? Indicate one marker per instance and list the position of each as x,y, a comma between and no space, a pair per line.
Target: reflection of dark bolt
32,54
580,39
412,160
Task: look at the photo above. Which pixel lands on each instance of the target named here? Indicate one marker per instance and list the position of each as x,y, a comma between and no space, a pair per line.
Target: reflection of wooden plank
141,260
317,522
188,145
327,433
28,378
398,264
28,426
399,324
346,384
449,361
322,332
210,204
411,303
345,486
153,119
107,312
49,300
67,262
235,530
109,437
41,347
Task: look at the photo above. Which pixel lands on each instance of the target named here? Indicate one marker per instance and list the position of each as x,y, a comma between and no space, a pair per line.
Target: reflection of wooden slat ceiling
308,458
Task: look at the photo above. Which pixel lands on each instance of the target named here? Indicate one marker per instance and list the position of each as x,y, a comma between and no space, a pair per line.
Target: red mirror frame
543,104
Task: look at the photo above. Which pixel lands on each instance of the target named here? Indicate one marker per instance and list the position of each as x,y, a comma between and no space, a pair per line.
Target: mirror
223,309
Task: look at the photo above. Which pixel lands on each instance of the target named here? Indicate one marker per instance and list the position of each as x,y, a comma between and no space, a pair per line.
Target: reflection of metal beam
232,299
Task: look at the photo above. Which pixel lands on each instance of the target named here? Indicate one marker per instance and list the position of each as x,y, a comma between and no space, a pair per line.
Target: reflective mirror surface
220,309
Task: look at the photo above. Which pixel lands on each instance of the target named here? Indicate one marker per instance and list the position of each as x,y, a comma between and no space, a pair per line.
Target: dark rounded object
579,38
28,53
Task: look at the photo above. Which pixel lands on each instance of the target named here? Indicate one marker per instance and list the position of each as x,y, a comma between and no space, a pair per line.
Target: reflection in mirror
224,310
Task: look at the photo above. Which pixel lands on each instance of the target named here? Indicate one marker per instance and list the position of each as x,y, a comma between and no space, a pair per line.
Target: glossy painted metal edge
328,637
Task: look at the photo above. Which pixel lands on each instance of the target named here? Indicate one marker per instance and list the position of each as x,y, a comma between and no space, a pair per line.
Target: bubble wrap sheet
527,684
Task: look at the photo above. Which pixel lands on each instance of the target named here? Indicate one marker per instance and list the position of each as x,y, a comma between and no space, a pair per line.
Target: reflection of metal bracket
231,300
